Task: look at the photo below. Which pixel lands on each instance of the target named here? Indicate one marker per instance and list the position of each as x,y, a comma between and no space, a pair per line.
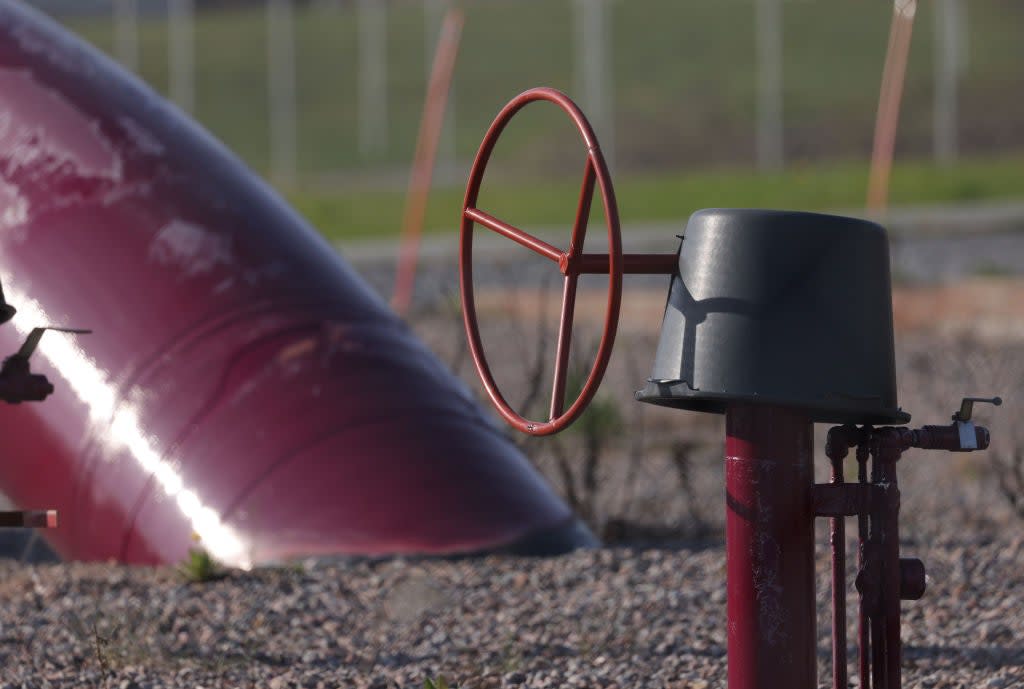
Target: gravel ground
602,618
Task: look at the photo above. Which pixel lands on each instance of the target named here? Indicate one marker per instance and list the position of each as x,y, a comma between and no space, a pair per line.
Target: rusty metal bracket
32,519
884,579
841,499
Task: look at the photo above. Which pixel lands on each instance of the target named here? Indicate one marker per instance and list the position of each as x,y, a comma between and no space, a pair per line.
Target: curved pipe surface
242,386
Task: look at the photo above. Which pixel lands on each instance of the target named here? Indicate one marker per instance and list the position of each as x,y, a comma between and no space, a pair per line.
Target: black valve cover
780,307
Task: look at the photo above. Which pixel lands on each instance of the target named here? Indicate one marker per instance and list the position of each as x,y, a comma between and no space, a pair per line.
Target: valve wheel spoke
571,280
579,229
564,347
515,234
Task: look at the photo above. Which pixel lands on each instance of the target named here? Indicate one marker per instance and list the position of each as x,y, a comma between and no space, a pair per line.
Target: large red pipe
770,548
242,383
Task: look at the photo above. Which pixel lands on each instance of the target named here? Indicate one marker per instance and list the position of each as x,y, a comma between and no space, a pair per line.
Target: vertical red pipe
890,612
770,548
863,621
838,542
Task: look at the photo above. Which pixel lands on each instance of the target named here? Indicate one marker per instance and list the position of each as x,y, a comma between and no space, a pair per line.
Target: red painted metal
769,548
863,626
771,499
632,264
595,171
837,541
884,578
242,382
515,234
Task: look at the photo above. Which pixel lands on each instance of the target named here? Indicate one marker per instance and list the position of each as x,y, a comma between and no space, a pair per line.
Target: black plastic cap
780,307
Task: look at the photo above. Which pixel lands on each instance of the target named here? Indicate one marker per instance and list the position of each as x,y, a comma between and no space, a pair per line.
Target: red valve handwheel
571,263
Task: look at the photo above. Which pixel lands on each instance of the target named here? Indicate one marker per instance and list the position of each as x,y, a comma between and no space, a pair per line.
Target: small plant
199,566
992,269
100,644
439,683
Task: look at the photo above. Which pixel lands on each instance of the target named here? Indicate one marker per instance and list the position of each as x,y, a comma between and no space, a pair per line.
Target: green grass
682,77
669,196
199,567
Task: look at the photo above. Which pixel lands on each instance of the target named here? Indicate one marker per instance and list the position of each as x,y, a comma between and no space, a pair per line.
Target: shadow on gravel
978,656
26,545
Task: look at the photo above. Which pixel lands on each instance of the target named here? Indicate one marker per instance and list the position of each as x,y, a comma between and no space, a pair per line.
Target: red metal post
863,625
837,539
886,644
770,548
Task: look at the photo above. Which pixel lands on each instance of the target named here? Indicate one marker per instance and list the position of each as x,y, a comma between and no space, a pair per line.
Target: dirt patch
991,309
988,309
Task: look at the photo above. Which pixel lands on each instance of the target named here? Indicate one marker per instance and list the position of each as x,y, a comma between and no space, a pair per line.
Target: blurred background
698,103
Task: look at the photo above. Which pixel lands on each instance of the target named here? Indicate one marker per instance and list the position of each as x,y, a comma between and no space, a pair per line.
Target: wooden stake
426,154
893,77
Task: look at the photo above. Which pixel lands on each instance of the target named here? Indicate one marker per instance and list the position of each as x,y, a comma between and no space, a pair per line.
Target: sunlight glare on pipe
93,388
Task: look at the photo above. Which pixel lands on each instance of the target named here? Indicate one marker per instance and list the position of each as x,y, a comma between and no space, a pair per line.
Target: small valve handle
967,406
32,341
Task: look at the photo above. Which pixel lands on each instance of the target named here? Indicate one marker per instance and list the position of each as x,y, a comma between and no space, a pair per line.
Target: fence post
947,68
593,71
181,53
434,12
281,89
373,70
768,25
126,33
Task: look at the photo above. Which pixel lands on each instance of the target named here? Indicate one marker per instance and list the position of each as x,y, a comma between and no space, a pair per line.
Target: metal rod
891,575
579,228
564,347
863,625
633,264
875,582
838,542
770,548
515,234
